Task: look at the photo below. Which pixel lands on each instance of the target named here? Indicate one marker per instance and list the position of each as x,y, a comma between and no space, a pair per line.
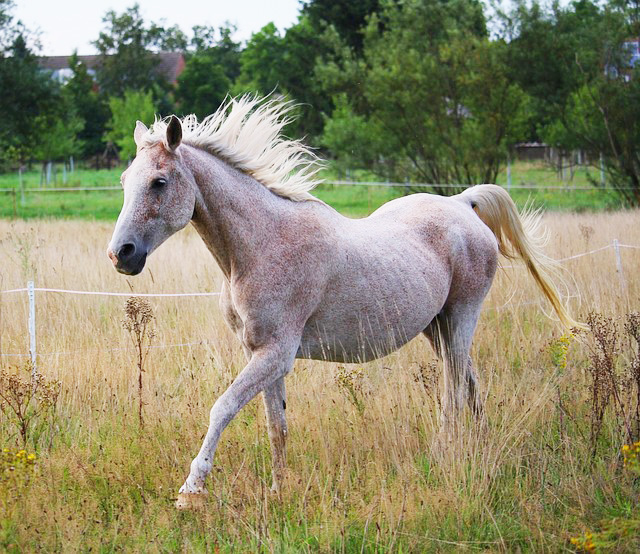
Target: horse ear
174,133
140,130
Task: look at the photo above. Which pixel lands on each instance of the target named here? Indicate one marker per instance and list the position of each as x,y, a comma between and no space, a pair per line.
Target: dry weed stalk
22,401
613,383
428,375
350,382
138,320
632,327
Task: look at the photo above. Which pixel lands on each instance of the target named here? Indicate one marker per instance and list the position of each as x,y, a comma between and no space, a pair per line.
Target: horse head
159,199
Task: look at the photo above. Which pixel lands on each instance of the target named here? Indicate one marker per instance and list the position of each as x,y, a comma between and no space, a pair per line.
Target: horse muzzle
128,258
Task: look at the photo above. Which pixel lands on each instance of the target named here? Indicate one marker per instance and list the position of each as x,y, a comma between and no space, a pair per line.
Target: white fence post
32,327
21,186
616,249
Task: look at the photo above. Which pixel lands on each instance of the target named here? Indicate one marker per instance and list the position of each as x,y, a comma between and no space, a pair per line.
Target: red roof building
170,65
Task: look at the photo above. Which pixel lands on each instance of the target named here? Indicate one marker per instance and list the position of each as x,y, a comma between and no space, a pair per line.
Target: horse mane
247,133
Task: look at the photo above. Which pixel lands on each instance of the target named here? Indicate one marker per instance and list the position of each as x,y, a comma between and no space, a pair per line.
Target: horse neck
234,214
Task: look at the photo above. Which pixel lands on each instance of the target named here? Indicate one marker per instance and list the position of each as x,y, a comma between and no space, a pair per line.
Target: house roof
170,64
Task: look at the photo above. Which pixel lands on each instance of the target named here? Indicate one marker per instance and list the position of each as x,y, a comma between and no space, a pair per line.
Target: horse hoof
192,500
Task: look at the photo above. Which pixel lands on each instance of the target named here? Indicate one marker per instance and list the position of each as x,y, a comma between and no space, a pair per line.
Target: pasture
544,189
367,470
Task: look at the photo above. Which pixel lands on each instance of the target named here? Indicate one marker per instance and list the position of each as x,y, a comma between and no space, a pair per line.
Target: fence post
32,328
616,249
21,186
509,173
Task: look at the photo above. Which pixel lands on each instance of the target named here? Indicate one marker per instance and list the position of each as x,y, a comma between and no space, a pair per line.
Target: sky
68,25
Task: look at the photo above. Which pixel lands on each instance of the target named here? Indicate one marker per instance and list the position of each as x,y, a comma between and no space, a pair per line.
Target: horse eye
158,183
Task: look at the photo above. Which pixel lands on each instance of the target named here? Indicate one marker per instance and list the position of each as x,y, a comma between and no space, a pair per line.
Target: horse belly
353,330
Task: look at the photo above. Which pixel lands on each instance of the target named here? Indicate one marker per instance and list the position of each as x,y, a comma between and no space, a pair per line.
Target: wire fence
30,289
554,186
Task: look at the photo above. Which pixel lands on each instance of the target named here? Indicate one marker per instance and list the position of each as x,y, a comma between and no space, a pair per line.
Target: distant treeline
415,90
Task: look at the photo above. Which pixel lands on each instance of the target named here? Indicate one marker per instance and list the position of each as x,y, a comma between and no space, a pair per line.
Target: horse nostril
126,251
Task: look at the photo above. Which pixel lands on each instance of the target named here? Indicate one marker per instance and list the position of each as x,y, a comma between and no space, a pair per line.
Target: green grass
354,201
79,178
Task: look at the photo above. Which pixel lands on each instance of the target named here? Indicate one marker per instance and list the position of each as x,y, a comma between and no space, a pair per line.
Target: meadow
368,471
543,188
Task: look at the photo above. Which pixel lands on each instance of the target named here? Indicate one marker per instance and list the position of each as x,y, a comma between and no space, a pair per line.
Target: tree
286,65
543,45
8,30
135,105
80,91
202,86
26,94
58,135
261,62
219,46
303,49
355,140
126,59
438,90
209,72
348,18
574,64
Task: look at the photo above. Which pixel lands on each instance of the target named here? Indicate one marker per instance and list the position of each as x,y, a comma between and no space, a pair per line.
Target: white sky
66,25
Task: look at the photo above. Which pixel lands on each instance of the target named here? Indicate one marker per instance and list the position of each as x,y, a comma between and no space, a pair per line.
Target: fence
560,187
31,290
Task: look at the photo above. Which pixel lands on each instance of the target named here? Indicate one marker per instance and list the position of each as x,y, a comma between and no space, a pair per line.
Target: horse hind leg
275,405
450,334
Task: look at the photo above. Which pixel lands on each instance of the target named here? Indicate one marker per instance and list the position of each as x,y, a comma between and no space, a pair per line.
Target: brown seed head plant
615,381
350,382
23,400
138,321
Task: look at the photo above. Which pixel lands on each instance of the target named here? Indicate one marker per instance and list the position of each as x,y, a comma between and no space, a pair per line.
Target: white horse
303,281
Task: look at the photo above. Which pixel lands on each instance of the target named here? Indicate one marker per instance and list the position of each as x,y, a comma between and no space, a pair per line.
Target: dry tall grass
367,470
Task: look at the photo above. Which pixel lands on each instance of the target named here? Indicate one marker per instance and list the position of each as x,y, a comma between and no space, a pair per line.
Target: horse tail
519,236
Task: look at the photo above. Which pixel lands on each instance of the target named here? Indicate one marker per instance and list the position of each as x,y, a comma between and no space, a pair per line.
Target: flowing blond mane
247,133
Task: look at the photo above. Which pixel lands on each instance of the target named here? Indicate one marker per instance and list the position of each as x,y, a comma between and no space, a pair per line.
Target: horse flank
247,133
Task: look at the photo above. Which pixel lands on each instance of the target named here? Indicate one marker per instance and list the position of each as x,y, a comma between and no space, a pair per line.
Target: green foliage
58,136
285,64
440,91
347,18
261,62
127,61
124,113
209,72
354,140
202,86
26,94
573,63
80,92
219,46
603,118
413,91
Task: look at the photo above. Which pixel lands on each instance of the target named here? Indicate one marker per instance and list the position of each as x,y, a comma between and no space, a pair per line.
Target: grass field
355,201
367,469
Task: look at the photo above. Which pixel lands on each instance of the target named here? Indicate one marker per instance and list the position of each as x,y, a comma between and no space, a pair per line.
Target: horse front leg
266,367
275,405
